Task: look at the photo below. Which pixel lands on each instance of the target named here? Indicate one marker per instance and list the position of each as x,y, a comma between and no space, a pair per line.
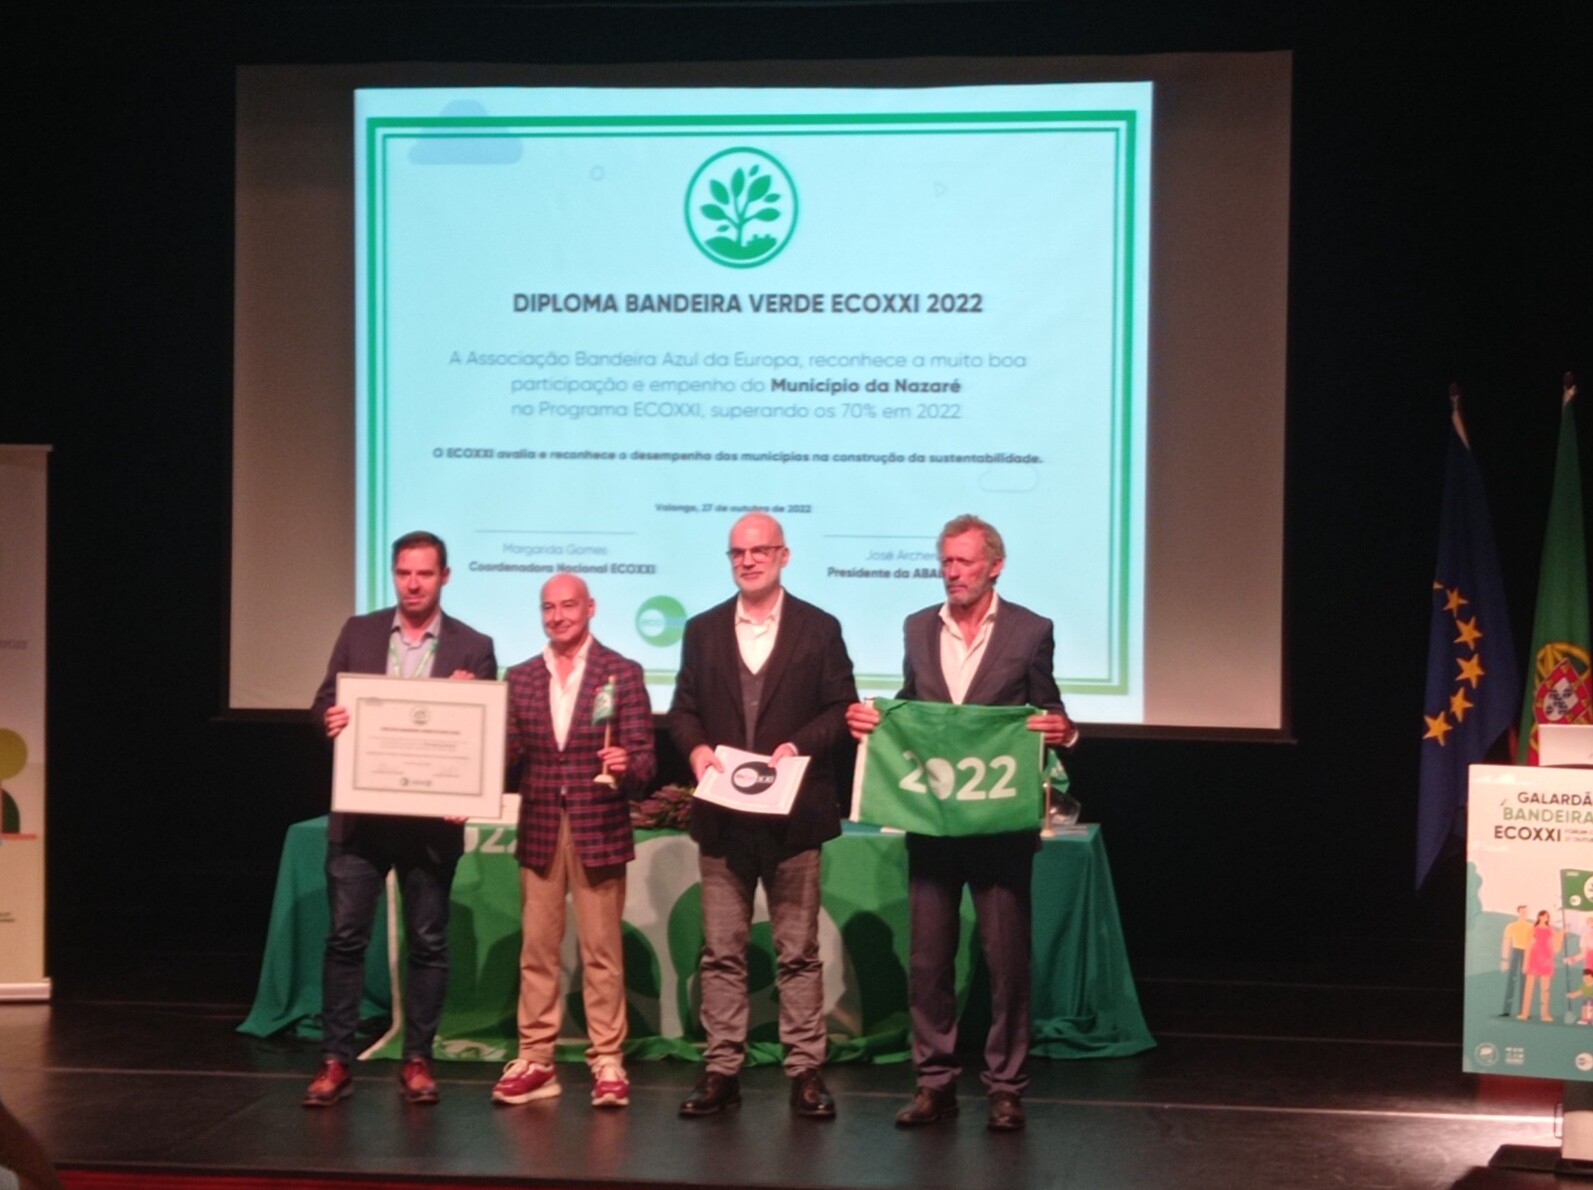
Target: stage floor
1258,1081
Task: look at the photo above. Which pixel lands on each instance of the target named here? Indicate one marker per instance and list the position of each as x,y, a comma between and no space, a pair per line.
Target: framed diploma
428,747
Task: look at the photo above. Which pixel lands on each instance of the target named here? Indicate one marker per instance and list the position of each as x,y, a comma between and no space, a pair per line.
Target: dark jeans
355,872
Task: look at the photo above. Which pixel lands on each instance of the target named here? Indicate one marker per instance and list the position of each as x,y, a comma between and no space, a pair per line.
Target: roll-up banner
23,471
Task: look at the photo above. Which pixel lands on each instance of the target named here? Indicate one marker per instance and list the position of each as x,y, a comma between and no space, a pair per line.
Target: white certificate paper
427,747
752,783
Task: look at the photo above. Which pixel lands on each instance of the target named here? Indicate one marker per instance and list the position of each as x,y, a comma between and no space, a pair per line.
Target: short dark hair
995,548
419,540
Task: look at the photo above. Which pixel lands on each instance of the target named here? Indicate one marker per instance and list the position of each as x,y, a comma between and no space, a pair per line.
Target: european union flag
1472,673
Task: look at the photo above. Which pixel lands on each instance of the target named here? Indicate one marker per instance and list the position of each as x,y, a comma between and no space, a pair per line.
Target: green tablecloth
1085,1004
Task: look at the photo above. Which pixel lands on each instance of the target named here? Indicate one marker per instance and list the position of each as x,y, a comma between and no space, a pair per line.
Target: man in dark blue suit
974,649
767,673
415,639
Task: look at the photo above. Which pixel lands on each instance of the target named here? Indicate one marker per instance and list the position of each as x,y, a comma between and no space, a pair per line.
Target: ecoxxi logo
741,208
661,620
753,777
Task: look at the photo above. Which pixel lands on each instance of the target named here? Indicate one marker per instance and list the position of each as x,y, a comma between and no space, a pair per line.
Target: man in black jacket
767,673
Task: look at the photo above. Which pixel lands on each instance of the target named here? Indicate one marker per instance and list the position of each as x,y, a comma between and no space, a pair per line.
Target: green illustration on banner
741,208
13,758
938,769
1578,891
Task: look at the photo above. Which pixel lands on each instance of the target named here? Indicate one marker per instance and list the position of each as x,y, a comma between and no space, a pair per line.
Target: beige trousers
598,895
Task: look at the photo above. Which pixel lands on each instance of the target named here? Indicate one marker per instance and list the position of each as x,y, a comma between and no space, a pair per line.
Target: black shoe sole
341,1094
692,1113
950,1113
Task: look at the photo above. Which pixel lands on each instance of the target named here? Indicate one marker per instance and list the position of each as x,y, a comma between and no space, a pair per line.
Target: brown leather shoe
929,1106
811,1098
1006,1112
415,1077
331,1083
713,1094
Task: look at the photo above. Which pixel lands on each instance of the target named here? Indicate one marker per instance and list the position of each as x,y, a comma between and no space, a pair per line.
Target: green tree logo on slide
741,208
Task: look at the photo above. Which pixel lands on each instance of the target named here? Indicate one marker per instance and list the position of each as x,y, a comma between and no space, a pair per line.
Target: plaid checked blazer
600,816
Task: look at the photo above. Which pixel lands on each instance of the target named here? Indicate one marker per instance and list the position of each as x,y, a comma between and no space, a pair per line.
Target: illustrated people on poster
1513,957
1578,948
1539,966
1584,994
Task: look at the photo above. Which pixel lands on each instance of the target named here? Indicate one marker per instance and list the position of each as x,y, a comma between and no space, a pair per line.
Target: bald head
565,586
770,529
567,610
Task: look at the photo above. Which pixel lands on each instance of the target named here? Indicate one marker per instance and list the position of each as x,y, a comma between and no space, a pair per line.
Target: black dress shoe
929,1105
712,1094
1006,1112
811,1098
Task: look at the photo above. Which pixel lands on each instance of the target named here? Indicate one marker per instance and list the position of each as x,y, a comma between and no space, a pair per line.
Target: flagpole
1456,418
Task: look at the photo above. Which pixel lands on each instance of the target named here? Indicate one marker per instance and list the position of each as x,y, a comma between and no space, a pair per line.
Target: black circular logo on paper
753,777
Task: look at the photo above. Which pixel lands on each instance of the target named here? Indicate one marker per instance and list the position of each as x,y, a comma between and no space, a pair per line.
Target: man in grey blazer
415,639
974,649
767,673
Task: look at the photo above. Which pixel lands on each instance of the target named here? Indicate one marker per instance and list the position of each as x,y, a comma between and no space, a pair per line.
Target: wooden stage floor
1258,1081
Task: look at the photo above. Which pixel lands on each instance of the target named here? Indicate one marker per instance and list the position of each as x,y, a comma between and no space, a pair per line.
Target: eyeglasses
757,553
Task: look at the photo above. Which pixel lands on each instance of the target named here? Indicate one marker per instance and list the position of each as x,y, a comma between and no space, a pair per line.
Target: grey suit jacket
361,648
1015,669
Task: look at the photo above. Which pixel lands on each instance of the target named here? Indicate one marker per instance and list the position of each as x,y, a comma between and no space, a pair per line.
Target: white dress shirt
959,656
755,638
562,695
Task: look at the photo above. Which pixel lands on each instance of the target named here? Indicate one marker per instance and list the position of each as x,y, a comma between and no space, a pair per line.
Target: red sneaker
610,1087
523,1081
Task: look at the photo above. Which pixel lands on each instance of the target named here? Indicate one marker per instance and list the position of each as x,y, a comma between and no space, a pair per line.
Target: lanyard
395,662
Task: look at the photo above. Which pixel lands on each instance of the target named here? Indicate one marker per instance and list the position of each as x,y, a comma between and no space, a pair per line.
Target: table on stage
1084,1005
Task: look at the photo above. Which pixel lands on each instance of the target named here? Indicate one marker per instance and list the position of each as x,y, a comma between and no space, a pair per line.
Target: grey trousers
791,884
997,870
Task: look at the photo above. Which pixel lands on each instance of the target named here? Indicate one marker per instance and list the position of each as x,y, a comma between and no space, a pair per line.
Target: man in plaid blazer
577,777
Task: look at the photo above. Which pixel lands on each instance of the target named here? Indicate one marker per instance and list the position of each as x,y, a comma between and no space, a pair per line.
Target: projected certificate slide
595,326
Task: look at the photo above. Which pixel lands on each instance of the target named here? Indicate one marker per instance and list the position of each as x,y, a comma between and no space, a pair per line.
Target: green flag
1558,681
1576,894
937,769
603,702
